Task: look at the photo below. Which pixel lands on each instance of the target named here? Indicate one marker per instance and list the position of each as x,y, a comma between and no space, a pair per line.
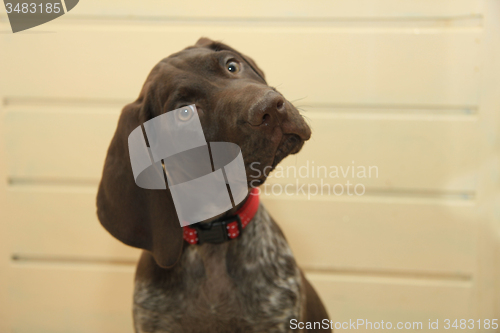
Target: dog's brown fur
249,284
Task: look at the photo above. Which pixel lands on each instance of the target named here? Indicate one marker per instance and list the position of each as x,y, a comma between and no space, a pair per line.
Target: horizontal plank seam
19,258
377,192
398,20
11,103
19,183
369,273
418,275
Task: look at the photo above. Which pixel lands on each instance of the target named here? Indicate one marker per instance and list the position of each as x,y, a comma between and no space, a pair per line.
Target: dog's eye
233,67
184,114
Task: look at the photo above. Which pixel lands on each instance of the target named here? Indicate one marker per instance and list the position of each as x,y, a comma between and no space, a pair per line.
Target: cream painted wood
98,298
61,222
280,9
433,66
375,234
488,263
386,152
65,298
401,151
59,142
393,300
379,235
5,239
409,86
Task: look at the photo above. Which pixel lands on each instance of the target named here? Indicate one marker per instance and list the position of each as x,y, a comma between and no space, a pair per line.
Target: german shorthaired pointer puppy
247,284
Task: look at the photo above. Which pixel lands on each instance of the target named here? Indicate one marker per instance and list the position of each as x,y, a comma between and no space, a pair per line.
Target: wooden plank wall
392,84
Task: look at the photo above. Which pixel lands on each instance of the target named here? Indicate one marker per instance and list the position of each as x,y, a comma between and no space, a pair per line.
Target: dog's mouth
291,144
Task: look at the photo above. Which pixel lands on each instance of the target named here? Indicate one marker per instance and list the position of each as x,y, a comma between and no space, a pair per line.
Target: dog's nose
273,110
270,111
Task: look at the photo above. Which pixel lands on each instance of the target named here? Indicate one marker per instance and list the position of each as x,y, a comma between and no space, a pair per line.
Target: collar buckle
216,231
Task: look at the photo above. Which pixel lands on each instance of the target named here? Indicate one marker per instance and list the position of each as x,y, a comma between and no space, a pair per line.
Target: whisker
305,117
298,99
308,121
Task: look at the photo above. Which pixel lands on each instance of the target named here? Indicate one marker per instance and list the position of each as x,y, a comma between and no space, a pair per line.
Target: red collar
223,230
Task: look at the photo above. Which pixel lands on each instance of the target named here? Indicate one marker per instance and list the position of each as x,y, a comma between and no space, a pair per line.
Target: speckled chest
250,284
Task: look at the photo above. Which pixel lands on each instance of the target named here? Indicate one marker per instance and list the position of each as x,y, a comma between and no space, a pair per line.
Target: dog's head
234,104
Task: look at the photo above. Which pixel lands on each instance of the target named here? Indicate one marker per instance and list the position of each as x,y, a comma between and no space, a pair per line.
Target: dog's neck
226,228
233,211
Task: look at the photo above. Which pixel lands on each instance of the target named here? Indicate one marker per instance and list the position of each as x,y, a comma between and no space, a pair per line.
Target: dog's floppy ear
138,217
218,46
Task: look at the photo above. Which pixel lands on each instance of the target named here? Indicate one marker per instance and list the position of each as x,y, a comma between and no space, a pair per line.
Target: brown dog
247,284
